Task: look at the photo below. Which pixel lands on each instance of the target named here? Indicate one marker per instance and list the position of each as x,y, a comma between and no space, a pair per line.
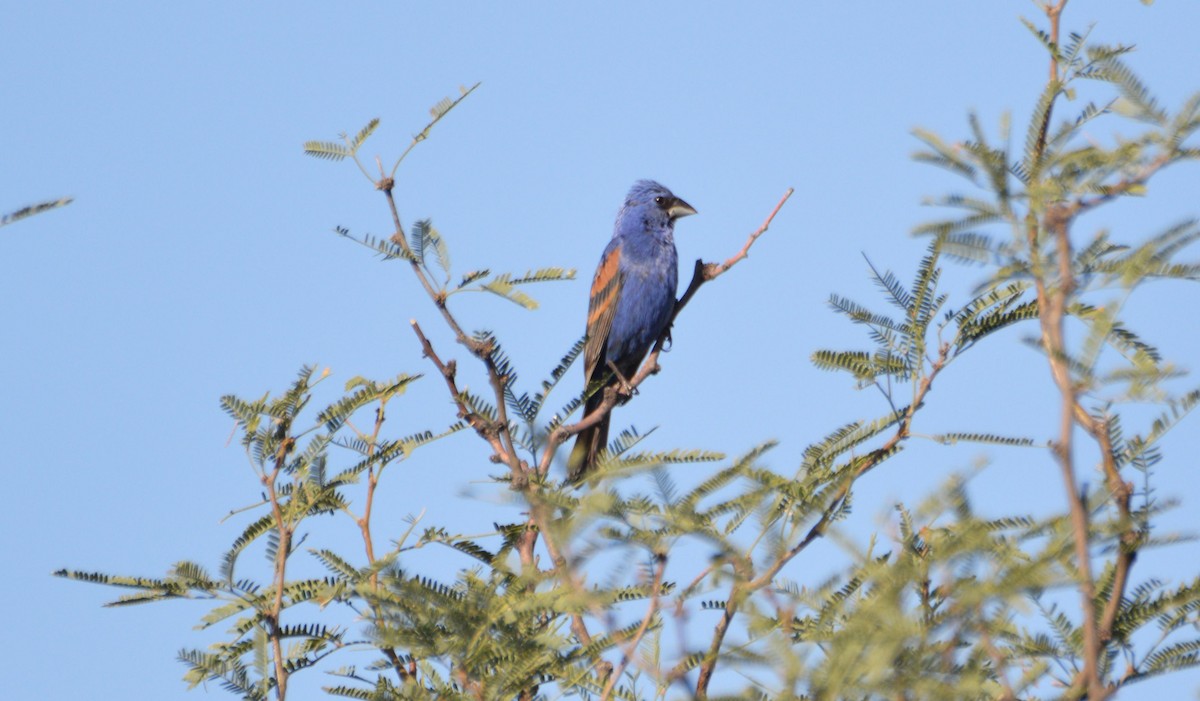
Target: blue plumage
632,297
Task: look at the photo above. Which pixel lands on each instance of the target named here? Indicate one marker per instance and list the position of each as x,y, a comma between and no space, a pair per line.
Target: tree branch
1122,494
707,272
284,528
486,429
1052,303
364,526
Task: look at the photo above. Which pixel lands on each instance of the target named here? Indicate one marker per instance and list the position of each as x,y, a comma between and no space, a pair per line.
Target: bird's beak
679,208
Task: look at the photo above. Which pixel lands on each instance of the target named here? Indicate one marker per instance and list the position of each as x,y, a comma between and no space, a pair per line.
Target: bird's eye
658,200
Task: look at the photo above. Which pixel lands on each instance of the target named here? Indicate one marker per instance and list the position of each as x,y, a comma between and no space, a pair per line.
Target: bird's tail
588,444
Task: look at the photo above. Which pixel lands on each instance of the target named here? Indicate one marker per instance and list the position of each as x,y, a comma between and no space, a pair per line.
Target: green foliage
950,579
425,239
584,590
333,151
292,463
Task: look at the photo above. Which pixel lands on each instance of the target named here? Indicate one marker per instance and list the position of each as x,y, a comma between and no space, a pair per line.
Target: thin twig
631,645
1122,494
711,271
449,369
562,567
284,528
364,526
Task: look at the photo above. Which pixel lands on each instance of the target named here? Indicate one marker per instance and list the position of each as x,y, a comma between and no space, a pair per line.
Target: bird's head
657,201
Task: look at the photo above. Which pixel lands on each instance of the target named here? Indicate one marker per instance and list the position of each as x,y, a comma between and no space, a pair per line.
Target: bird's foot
624,389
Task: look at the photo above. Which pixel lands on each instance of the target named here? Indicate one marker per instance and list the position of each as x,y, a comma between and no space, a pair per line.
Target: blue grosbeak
633,296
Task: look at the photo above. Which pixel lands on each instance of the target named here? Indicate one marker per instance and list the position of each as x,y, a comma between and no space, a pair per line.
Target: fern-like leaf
363,133
503,286
31,210
326,150
950,438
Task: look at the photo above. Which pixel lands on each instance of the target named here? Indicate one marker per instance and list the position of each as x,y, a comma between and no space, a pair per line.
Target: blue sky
198,258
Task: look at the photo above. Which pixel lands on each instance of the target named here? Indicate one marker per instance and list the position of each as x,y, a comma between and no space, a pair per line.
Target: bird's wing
606,289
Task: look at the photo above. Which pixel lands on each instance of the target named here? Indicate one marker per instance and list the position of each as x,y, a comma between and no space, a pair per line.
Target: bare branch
486,429
707,272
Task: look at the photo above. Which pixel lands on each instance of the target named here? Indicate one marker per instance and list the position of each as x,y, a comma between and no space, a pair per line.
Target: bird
631,304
